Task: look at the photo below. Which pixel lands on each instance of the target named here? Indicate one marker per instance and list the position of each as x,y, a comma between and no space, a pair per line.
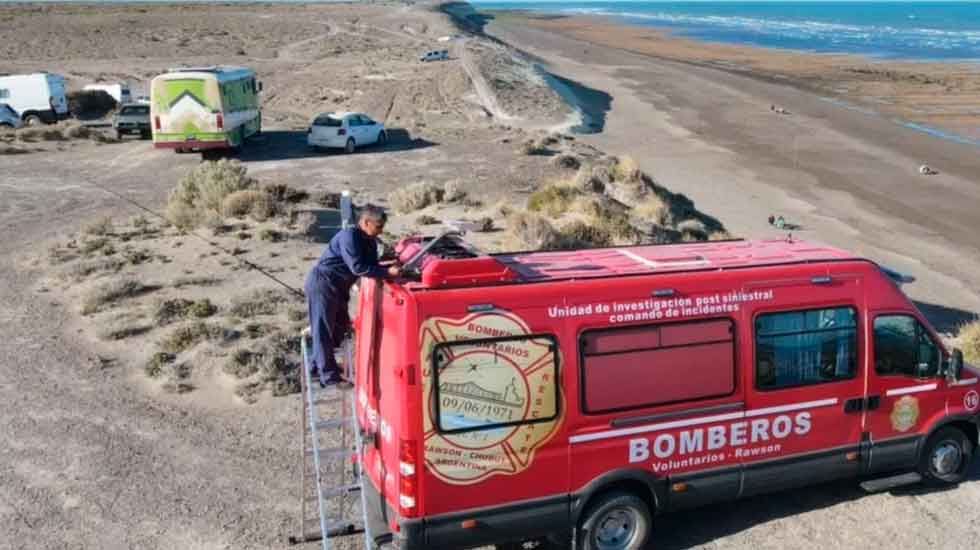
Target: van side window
4,93
644,366
495,382
903,348
802,348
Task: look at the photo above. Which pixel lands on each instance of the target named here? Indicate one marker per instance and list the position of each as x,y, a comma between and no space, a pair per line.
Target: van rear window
327,120
495,383
643,366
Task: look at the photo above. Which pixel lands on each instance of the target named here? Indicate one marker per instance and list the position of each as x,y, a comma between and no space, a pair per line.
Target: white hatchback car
9,117
345,131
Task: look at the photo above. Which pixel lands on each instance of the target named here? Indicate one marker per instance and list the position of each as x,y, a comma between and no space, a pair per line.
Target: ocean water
925,30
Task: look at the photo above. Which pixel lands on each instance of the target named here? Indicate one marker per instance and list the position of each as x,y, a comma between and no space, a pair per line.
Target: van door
804,377
905,388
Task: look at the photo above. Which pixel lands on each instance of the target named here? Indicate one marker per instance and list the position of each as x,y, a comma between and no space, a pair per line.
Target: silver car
8,117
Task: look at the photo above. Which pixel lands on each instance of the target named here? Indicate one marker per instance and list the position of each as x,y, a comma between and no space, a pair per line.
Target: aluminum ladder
331,436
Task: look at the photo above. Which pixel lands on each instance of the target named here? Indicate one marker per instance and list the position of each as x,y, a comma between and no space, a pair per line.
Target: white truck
36,98
120,91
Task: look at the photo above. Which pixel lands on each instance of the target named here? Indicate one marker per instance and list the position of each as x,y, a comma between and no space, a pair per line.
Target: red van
578,394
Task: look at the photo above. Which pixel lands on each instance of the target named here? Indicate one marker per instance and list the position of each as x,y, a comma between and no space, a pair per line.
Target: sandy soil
98,456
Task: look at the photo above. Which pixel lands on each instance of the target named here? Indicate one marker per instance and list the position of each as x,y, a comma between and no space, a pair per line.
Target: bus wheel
616,521
946,457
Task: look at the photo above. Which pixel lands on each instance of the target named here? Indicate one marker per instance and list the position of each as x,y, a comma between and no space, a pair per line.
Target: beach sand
698,117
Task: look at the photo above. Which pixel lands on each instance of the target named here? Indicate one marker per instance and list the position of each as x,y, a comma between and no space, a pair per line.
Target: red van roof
619,261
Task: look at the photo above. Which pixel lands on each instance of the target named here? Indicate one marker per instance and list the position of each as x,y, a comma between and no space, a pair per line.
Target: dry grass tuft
177,377
123,326
259,302
248,202
282,193
81,270
653,210
112,292
204,189
187,336
101,226
626,169
692,230
567,161
453,191
969,339
205,280
531,147
426,219
271,235
553,199
77,131
33,134
416,197
532,231
168,311
155,365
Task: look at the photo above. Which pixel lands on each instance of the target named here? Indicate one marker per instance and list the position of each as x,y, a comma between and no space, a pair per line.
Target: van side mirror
955,368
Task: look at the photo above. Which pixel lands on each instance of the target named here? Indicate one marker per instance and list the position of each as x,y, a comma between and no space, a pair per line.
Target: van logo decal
971,401
905,414
506,383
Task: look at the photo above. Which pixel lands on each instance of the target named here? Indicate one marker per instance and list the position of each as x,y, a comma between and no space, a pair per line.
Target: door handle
873,402
854,405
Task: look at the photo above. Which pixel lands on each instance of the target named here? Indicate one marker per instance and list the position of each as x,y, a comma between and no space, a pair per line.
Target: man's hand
395,270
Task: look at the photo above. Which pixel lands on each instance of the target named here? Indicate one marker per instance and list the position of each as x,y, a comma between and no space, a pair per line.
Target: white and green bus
205,109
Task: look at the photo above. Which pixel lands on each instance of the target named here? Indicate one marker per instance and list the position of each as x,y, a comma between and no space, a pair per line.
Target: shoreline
937,97
846,175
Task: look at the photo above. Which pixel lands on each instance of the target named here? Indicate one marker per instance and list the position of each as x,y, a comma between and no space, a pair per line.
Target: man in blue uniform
352,253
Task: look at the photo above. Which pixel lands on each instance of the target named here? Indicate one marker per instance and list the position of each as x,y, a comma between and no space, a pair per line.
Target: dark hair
373,213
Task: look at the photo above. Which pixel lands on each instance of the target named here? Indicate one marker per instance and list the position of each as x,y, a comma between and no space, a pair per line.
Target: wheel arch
966,423
640,483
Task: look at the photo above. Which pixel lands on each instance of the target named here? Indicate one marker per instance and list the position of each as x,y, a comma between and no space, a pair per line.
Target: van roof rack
447,261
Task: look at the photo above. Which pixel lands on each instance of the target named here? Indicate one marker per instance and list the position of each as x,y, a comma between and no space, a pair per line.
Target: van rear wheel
946,457
32,120
616,521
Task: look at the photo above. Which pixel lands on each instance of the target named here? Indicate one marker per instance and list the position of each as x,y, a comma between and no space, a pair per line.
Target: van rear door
805,382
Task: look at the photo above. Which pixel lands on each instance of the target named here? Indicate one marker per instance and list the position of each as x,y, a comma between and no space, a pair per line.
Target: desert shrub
112,292
426,219
135,256
297,315
89,247
77,131
532,231
271,235
80,270
249,202
204,190
189,335
653,210
49,133
9,150
485,224
205,280
567,161
177,377
579,234
168,311
90,103
155,364
141,224
242,364
259,302
531,147
720,236
453,191
416,197
123,326
626,169
328,199
692,230
100,226
248,391
282,193
969,339
553,199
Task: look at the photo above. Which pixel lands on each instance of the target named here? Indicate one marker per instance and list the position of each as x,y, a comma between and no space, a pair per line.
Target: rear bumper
191,144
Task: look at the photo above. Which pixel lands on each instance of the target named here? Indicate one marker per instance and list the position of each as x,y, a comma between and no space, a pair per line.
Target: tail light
156,122
407,479
341,132
220,119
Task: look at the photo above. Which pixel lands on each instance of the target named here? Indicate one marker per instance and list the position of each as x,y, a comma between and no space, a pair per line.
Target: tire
119,135
350,146
615,521
33,120
946,457
382,138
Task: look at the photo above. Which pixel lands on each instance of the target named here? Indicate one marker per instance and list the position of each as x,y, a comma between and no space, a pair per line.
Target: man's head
372,220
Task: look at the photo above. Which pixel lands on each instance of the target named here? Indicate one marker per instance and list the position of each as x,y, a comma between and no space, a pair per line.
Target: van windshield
135,110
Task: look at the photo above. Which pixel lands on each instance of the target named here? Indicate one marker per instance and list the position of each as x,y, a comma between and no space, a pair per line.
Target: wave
803,29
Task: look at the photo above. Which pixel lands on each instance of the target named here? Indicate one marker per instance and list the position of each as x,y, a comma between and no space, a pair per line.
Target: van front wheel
946,457
616,521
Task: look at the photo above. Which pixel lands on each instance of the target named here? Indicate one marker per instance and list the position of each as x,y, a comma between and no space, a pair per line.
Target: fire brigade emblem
490,403
905,414
971,401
